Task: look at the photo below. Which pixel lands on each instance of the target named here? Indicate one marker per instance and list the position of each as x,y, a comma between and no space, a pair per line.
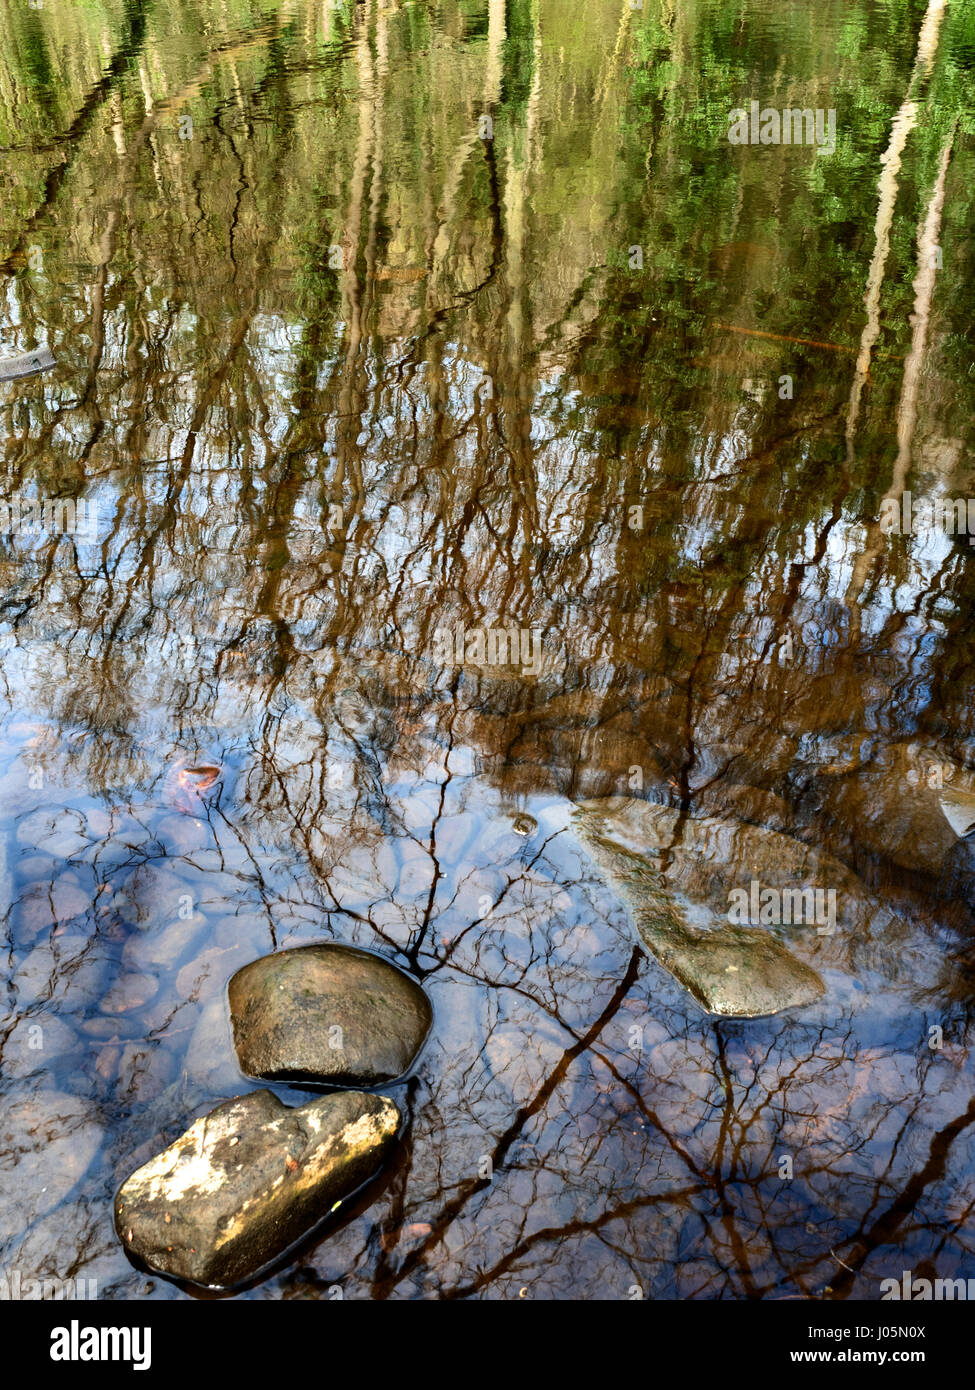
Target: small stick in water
26,364
788,338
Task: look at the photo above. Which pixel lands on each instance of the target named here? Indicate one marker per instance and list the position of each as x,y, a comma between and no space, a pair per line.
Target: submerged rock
66,972
183,834
129,991
249,1180
154,897
909,804
209,1061
57,831
327,1013
735,971
165,947
35,1040
51,902
47,1143
958,807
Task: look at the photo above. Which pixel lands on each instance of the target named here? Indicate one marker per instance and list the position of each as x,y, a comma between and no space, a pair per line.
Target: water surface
373,320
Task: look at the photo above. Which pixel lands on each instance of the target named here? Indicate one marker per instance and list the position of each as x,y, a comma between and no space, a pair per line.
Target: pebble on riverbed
248,1180
327,1013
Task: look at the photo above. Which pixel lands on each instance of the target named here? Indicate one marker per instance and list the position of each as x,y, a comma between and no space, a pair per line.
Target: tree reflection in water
341,369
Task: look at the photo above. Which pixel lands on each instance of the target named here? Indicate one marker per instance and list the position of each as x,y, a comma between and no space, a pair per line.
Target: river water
377,320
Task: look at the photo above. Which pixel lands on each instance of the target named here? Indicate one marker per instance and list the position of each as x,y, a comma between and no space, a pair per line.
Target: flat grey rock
733,971
329,1014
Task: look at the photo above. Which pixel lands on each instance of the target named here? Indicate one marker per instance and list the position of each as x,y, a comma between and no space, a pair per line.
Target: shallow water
341,364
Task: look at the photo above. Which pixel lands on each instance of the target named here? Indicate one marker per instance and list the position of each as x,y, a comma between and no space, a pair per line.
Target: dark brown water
372,321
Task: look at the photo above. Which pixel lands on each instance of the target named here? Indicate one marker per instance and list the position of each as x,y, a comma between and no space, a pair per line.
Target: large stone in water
327,1013
734,971
249,1180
